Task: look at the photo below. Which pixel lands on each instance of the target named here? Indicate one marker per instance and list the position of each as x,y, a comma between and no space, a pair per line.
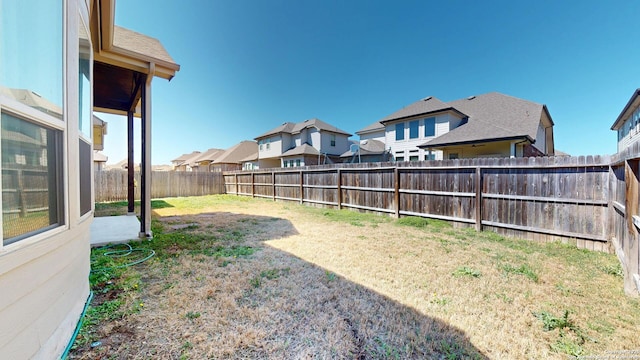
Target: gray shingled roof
209,155
140,44
181,159
237,153
304,149
376,126
318,124
291,128
368,147
623,114
424,106
492,117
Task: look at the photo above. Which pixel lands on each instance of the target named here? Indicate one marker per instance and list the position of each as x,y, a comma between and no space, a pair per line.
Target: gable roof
209,155
368,147
304,149
491,117
291,128
631,104
286,127
237,153
318,124
376,126
425,106
180,160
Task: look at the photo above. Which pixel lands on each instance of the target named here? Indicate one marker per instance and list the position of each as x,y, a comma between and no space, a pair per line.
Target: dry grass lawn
241,278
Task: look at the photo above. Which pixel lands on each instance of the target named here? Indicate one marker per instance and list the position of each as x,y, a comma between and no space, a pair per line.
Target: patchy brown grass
240,278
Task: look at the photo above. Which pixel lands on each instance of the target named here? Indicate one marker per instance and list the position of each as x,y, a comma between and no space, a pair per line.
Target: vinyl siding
541,139
44,289
379,135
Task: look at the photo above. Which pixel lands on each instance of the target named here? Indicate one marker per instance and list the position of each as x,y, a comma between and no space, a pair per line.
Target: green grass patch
467,271
523,269
352,217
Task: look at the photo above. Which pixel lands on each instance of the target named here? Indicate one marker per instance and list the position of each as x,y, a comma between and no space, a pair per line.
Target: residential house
99,131
123,165
99,160
310,142
488,125
628,122
60,60
233,158
203,162
181,163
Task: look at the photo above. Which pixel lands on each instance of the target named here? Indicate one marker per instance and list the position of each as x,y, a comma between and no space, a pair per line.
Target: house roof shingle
493,116
428,105
295,128
368,147
304,149
237,153
376,126
140,44
209,155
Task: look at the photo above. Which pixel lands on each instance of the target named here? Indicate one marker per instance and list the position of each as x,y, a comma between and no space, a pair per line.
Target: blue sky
250,65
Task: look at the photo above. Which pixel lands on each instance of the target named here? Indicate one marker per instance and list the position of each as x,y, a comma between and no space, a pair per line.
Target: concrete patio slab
114,230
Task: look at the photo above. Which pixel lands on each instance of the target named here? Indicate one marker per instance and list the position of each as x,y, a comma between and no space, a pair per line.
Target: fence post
253,188
479,198
301,187
339,190
237,187
273,182
396,176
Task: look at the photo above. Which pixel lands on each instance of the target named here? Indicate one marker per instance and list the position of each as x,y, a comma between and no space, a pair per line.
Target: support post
130,166
145,166
339,183
396,177
273,182
301,187
253,187
237,186
478,199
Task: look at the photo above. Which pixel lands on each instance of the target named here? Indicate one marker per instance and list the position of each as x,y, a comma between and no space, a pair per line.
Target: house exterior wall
44,274
341,146
629,132
486,150
274,146
541,139
408,148
378,135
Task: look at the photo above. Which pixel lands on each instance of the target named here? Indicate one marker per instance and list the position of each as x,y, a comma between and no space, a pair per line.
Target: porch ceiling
116,88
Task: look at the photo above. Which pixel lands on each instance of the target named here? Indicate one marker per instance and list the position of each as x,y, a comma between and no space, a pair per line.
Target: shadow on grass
271,303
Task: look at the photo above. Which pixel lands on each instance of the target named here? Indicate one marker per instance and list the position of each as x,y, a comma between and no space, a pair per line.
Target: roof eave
481,141
384,122
618,123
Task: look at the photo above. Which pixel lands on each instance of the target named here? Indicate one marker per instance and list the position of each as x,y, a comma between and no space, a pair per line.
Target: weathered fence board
111,185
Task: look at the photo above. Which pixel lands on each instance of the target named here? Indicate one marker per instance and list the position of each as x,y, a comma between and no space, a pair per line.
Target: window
268,143
31,53
31,59
430,127
400,131
430,156
333,140
413,129
453,156
298,162
31,178
399,156
284,163
85,119
260,144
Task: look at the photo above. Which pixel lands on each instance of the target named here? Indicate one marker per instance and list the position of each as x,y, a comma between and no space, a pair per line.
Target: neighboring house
182,162
203,162
161,167
99,131
368,150
99,160
58,52
122,165
628,122
488,125
233,158
310,142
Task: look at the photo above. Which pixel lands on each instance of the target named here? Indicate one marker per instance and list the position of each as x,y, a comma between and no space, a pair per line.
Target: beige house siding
44,288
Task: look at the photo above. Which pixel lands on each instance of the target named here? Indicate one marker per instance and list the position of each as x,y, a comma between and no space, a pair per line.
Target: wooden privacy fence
563,198
592,201
111,185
